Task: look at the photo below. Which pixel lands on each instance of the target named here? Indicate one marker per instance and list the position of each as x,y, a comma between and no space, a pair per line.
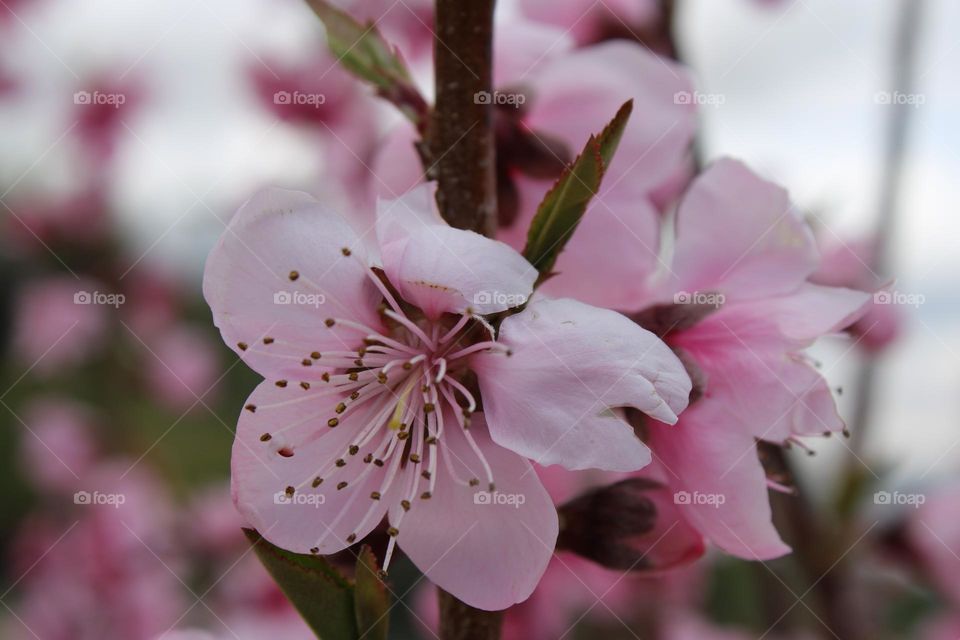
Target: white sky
798,83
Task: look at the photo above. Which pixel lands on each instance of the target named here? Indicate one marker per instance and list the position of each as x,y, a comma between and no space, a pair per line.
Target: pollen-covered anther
293,275
325,376
368,458
307,362
414,458
332,422
305,385
341,408
425,474
393,532
474,482
316,482
315,355
352,538
354,395
265,437
346,251
329,322
354,376
405,505
353,450
341,462
252,408
429,407
378,462
289,491
242,346
341,485
315,550
375,495
407,366
268,340
426,495
281,383
403,435
432,440
382,378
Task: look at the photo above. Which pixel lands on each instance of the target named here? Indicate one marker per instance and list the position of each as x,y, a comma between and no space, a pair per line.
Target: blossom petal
442,269
488,550
279,271
283,441
571,364
738,234
719,482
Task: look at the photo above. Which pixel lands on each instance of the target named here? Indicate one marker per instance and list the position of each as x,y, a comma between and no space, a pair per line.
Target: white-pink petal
447,270
553,399
278,271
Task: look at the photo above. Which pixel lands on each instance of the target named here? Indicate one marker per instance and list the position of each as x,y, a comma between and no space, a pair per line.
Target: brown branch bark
460,148
460,136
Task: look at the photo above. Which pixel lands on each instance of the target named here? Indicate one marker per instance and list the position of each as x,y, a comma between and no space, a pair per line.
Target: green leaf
363,51
370,600
319,592
563,207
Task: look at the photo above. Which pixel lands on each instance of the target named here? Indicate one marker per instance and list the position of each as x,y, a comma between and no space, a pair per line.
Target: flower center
392,391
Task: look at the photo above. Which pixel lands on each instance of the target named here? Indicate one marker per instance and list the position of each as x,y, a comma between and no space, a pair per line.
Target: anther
354,395
403,435
406,365
358,362
341,408
425,474
346,251
341,485
353,450
268,340
474,482
281,383
491,487
242,346
325,377
252,408
382,378
332,422
315,355
265,437
432,440
393,532
375,495
352,538
304,385
341,462
353,376
314,550
317,482
368,458
378,462
425,495
289,491
414,458
306,362
429,407
329,322
293,275
405,504
285,452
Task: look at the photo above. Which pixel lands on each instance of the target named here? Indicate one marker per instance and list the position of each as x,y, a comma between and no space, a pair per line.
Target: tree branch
460,137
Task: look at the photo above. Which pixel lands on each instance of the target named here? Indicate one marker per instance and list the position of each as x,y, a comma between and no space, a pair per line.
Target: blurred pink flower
690,626
181,368
293,292
56,220
566,98
933,533
846,264
101,107
108,570
57,443
57,323
588,20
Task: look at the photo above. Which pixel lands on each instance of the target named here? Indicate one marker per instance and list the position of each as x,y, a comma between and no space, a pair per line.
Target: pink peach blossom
846,264
366,409
933,533
567,98
181,368
587,20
